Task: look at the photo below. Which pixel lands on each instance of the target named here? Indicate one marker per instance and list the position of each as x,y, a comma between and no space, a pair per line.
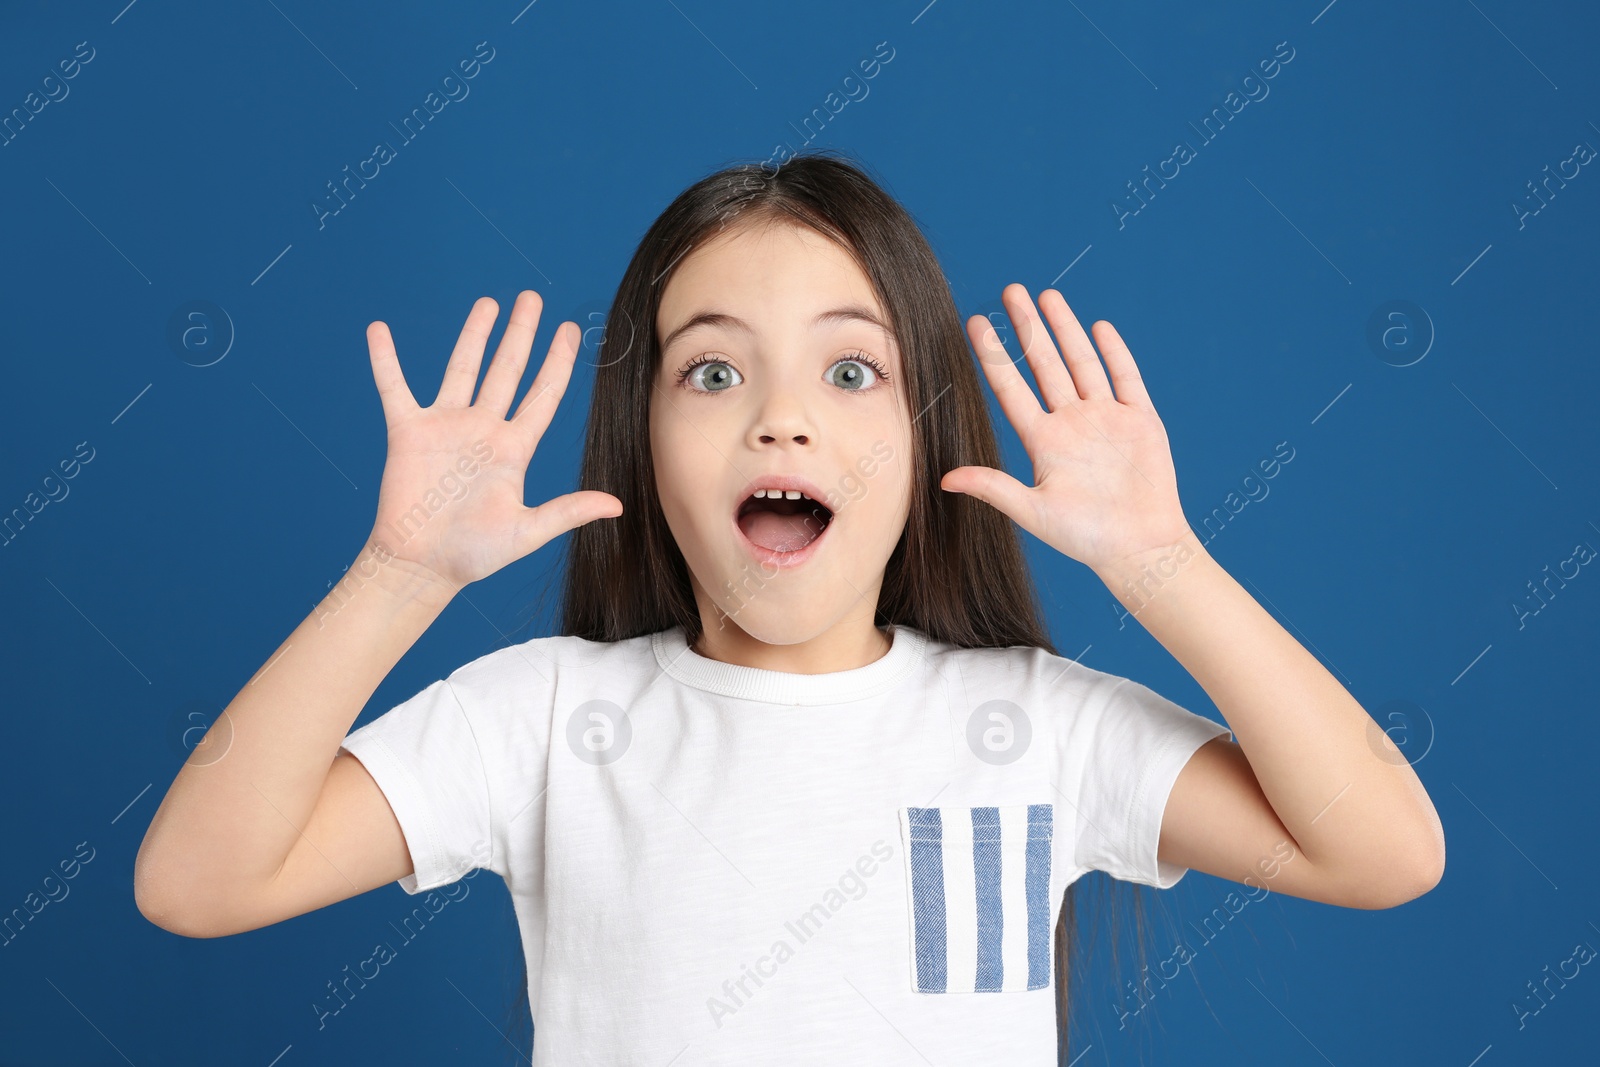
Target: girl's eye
856,372
717,375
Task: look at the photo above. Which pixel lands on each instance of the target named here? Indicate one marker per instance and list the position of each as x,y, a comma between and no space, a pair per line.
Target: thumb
997,489
542,524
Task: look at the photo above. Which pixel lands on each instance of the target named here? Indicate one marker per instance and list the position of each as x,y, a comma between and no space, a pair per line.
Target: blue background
223,500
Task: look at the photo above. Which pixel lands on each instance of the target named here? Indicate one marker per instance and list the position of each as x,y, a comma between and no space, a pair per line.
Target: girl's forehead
778,278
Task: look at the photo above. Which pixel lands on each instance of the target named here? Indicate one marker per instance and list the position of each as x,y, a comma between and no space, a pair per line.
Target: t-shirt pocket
979,881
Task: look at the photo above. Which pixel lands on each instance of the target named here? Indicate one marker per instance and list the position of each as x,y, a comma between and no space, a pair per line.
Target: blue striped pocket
980,897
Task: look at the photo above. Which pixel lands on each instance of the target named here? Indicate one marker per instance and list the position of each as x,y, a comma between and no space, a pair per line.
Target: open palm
451,499
1104,484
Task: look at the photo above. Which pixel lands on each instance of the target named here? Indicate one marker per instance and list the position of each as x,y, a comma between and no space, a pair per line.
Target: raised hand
1104,486
450,502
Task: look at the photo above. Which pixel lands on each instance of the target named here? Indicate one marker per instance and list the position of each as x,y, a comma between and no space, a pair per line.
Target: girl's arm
267,819
262,822
1313,795
1314,799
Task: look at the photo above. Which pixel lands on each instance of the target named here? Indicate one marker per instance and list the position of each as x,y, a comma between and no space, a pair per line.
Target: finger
1082,361
543,524
1000,491
461,374
393,392
1016,398
511,357
1125,376
1055,383
549,385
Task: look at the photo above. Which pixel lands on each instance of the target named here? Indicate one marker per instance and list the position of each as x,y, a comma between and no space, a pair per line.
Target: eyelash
854,357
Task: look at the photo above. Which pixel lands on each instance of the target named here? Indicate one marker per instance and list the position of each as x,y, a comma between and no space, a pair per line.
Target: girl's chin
780,607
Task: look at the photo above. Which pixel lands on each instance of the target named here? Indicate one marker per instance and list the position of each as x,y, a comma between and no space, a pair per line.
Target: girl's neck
850,643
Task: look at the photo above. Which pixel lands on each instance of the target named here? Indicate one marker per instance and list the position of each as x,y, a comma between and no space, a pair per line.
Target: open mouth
782,521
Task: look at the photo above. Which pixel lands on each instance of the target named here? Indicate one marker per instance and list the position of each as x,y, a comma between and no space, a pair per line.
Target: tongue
779,533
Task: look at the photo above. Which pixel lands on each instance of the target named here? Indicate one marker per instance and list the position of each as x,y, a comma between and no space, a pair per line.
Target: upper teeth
774,494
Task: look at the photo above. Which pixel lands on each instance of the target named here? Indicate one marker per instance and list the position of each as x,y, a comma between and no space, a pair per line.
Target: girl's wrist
1138,575
401,579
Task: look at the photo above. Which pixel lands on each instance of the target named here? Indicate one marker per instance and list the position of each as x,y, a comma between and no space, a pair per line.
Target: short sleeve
1138,743
426,760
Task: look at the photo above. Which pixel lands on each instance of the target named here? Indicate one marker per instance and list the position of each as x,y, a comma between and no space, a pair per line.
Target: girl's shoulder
540,660
1023,668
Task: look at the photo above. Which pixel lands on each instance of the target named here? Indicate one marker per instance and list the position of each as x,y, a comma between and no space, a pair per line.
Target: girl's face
778,372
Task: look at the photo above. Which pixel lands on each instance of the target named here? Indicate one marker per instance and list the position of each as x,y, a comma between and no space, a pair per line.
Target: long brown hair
958,573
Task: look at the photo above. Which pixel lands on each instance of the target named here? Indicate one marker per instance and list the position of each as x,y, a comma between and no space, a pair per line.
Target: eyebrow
717,320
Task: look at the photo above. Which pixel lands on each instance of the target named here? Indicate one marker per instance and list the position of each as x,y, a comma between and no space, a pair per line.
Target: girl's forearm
1340,787
237,805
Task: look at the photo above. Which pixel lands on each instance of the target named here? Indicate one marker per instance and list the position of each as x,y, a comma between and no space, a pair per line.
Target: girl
803,778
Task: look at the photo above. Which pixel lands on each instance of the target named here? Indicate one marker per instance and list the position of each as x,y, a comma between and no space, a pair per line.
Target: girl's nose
799,438
781,419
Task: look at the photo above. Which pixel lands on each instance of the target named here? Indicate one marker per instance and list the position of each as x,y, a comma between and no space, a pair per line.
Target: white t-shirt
717,864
